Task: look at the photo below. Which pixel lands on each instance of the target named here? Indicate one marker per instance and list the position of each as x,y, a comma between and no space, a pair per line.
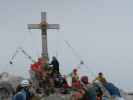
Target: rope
73,50
26,54
75,53
18,49
14,55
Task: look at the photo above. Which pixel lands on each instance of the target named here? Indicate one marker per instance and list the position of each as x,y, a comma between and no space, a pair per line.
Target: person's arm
95,79
51,63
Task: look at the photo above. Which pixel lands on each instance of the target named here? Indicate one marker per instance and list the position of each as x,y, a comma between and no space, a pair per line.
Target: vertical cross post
44,35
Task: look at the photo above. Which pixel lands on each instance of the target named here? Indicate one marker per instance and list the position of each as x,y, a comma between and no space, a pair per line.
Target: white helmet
25,83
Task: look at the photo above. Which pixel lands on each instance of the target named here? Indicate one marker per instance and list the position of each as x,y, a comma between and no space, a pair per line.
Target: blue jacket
20,95
112,89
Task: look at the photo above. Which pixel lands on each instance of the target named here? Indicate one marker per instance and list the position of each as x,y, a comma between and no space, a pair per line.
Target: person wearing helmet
23,93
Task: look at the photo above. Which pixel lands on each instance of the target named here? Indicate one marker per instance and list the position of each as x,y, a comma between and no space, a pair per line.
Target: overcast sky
99,30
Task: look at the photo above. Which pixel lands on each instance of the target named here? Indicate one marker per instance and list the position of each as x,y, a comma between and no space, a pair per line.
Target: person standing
55,64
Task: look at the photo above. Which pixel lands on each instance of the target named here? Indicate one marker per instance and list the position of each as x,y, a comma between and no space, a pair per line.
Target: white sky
99,30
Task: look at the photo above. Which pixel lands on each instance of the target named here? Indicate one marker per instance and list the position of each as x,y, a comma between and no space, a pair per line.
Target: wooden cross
44,26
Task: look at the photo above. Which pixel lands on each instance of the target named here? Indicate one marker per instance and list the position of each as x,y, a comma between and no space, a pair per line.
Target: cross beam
44,26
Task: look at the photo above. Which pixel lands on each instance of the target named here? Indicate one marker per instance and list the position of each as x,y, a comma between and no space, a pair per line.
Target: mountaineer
100,78
23,92
55,64
75,79
89,89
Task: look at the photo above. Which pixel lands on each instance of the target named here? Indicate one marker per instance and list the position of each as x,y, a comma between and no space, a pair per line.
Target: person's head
100,74
41,61
25,84
84,79
75,70
53,58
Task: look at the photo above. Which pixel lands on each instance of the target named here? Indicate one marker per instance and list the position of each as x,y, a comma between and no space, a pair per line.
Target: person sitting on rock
101,78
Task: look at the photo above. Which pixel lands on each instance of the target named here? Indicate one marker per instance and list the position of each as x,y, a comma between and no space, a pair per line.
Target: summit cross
43,26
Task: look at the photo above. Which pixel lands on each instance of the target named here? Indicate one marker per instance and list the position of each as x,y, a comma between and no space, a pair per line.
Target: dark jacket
90,93
55,64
